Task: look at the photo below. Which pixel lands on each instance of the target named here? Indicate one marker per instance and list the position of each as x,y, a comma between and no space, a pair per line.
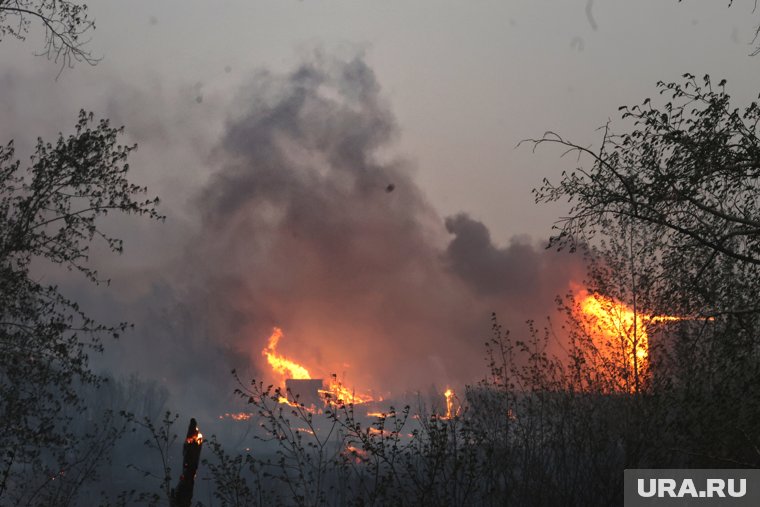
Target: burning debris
300,387
620,338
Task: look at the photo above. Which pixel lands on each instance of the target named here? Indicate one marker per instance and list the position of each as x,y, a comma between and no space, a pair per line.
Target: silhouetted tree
66,25
50,214
688,171
669,210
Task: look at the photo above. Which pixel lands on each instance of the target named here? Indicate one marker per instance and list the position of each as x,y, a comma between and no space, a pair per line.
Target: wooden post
182,495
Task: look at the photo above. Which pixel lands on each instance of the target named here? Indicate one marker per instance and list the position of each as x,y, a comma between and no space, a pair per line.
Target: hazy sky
467,80
437,94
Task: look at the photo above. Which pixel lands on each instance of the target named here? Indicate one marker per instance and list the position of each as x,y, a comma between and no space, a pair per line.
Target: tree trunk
182,495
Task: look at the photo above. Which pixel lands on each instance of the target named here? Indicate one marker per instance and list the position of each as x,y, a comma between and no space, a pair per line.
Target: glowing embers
236,416
195,438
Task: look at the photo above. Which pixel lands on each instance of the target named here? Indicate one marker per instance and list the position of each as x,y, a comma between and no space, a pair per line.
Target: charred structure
304,391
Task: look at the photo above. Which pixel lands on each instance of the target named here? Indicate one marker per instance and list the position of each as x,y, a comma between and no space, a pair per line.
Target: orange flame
334,392
449,394
196,439
619,334
377,431
285,401
355,454
280,364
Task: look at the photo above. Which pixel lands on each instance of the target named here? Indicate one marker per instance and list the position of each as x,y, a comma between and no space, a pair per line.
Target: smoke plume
307,222
308,225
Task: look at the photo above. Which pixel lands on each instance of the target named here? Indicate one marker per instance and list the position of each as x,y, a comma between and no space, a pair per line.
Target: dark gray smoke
307,222
518,277
310,226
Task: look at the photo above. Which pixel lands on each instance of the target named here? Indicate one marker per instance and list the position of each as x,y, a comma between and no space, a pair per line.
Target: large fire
620,334
333,392
280,364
